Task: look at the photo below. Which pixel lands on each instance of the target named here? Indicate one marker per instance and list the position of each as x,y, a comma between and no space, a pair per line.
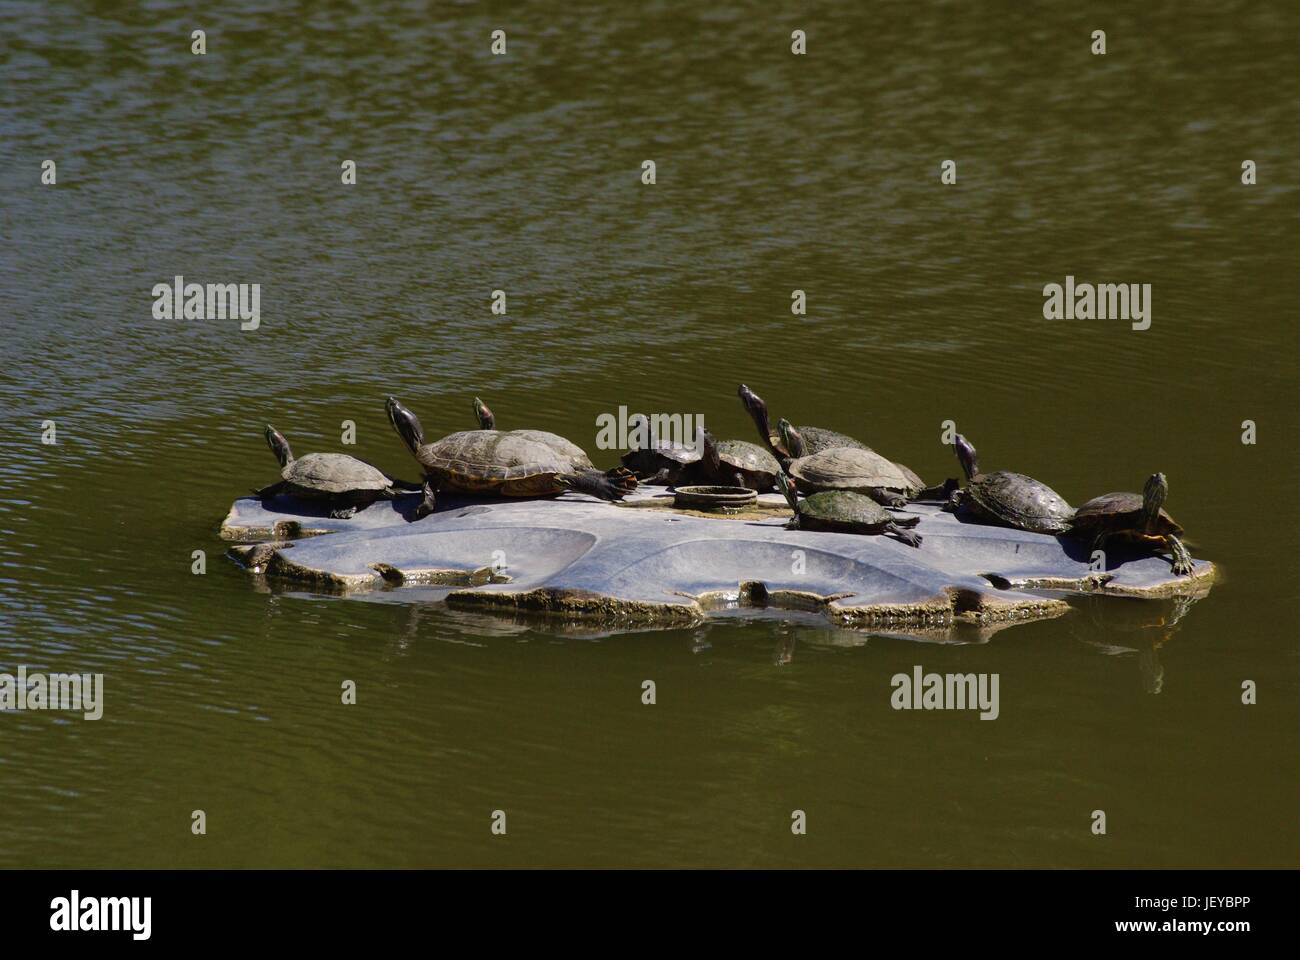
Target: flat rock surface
643,561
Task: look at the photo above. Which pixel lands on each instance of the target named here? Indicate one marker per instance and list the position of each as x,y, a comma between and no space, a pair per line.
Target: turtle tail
597,484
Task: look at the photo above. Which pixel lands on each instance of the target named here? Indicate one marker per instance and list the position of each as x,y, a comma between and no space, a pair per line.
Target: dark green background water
775,172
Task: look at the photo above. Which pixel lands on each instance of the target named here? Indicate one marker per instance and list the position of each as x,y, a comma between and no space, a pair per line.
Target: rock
643,562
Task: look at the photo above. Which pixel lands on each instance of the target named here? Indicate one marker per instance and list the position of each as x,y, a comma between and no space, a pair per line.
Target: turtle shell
843,510
647,462
576,456
1117,512
749,459
486,461
330,473
852,468
817,439
1019,501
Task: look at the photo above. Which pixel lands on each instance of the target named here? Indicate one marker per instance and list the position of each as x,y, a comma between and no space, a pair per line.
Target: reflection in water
1152,623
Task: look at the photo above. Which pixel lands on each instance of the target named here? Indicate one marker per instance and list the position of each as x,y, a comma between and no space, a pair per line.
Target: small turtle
815,439
1008,499
497,463
728,462
663,462
1135,517
574,453
345,483
843,511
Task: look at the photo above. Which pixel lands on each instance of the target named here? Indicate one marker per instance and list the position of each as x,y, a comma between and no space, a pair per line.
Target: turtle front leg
427,504
1182,561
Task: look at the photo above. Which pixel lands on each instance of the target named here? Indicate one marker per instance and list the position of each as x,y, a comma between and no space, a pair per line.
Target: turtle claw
427,503
343,513
622,478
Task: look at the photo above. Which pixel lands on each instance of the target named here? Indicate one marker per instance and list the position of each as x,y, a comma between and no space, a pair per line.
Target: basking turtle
497,463
663,462
852,468
345,483
1134,517
574,453
1008,499
815,439
728,462
843,511
793,441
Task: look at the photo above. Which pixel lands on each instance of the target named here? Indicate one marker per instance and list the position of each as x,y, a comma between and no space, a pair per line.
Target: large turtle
815,439
565,448
843,511
1135,517
662,462
344,483
732,462
497,463
1008,499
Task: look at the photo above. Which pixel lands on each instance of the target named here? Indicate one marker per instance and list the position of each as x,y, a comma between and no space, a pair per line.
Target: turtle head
486,420
786,486
711,458
279,446
1153,498
405,423
757,410
967,457
791,439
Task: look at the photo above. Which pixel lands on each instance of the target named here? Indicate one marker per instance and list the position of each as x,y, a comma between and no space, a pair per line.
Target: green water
522,173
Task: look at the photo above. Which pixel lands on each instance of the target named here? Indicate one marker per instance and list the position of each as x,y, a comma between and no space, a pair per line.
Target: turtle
728,462
345,483
844,511
815,439
497,463
792,440
662,462
565,448
851,468
1137,517
1007,499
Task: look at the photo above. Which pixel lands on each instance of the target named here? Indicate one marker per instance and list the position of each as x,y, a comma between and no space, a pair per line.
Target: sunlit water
522,173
